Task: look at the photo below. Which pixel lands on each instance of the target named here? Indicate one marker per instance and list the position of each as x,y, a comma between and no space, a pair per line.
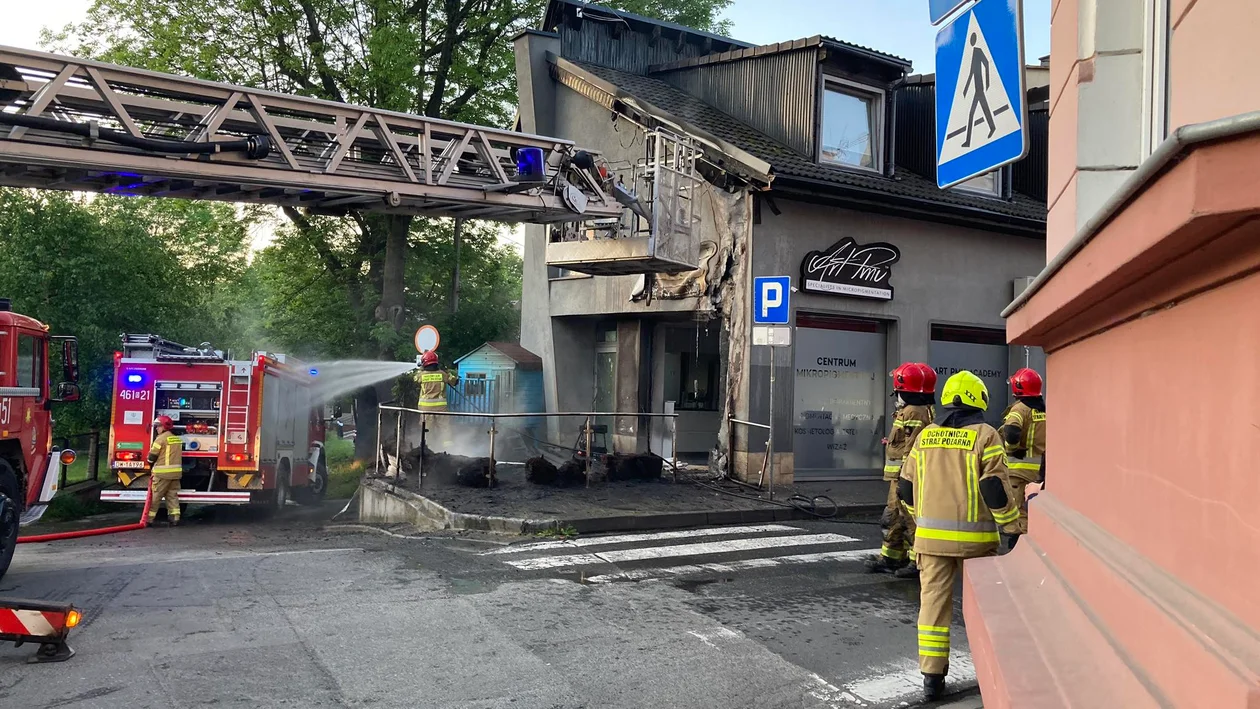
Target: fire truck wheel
314,491
9,514
280,497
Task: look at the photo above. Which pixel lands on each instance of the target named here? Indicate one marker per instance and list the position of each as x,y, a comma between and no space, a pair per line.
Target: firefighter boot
909,571
933,687
880,564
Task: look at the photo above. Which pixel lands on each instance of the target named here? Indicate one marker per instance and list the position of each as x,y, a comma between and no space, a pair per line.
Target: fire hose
57,536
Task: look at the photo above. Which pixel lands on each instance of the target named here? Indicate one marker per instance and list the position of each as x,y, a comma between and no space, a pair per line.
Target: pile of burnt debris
616,468
450,469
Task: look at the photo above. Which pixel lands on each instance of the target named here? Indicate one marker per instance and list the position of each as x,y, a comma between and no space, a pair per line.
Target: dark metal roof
787,164
779,47
513,351
556,9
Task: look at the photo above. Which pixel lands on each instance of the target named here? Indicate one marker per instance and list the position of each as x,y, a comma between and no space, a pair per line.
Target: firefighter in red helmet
1023,433
166,460
433,382
914,385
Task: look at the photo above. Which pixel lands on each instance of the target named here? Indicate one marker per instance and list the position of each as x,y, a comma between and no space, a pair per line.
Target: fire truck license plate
128,464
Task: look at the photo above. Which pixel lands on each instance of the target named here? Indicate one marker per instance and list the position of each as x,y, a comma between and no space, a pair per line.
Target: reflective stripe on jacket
945,468
433,387
1023,458
166,455
907,423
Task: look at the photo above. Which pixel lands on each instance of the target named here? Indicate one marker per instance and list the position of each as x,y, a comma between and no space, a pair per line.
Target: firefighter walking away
954,483
914,385
1023,432
166,459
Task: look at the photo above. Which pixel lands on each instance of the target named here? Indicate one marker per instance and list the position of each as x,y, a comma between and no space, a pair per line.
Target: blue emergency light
531,165
314,372
134,378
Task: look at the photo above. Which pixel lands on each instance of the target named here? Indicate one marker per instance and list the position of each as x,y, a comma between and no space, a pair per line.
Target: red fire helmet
914,378
165,423
1026,382
428,358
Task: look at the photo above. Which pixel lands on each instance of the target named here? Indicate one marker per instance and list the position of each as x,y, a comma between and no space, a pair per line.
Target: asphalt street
231,610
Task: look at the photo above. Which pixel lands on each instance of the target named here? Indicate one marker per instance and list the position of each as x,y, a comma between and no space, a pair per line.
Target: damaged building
789,159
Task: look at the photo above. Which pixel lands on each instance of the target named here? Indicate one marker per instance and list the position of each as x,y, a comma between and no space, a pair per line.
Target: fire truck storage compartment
286,416
195,409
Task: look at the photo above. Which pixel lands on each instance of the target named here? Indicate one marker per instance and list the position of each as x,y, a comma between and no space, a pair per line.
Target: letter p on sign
771,298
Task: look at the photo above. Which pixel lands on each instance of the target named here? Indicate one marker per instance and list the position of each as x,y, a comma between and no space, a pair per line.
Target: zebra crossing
646,556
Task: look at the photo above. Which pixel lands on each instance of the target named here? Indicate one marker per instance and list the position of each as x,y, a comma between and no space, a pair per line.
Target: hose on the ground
805,504
77,534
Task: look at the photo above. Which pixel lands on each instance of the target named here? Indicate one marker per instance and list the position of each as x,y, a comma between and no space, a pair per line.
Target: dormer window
989,184
852,125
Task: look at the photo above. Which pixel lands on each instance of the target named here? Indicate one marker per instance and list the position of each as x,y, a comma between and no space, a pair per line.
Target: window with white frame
989,184
852,125
1154,76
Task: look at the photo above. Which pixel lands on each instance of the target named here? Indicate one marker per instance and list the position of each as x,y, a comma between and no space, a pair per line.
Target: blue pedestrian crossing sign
771,298
981,101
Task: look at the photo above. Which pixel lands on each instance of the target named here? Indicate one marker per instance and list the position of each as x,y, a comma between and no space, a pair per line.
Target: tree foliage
98,268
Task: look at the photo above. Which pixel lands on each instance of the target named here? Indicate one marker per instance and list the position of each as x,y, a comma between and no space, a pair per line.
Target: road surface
233,611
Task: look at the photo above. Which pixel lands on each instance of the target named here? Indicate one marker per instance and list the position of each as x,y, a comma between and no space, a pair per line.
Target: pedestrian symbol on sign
981,110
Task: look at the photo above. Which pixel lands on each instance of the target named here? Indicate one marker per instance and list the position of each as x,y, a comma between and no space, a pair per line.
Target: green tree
447,59
98,268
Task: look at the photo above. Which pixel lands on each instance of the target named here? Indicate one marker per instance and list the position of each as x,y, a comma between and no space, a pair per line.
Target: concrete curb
382,502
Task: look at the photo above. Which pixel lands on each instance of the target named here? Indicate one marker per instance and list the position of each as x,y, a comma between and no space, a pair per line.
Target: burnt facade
808,148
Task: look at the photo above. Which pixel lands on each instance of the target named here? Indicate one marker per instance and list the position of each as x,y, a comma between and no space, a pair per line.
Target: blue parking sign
771,298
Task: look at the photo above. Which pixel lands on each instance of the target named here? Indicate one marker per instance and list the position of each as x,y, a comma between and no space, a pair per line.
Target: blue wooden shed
499,378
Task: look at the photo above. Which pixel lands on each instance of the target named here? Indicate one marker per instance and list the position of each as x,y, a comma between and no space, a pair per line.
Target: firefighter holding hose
433,382
166,460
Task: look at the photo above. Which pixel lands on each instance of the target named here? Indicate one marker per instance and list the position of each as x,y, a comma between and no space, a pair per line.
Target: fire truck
253,435
30,466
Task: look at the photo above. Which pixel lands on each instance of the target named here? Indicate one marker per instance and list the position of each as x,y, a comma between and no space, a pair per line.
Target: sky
898,27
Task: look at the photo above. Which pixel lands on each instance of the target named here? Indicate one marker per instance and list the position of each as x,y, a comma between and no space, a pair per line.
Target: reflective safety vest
907,423
433,387
166,455
1024,458
945,468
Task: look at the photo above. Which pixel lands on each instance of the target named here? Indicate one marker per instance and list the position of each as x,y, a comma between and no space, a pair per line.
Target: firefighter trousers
1019,526
165,489
937,576
899,536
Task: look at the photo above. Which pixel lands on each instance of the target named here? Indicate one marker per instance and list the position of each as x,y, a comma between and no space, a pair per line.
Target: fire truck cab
30,467
252,433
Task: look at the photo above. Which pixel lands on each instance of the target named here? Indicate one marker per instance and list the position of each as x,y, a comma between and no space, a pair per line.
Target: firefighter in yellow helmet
954,483
1023,430
166,460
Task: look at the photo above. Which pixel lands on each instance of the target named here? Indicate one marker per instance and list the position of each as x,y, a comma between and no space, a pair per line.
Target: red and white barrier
37,622
185,496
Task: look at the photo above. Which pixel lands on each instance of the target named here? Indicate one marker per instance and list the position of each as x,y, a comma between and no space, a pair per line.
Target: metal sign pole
770,441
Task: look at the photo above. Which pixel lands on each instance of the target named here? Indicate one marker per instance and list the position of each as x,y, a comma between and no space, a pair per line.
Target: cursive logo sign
848,268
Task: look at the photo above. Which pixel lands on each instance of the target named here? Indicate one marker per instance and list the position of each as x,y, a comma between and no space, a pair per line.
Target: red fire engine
30,467
252,434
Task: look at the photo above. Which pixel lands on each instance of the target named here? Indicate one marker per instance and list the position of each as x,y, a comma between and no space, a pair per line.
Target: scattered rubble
540,471
638,466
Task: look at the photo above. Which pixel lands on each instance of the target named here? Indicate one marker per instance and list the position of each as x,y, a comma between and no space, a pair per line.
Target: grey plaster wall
946,275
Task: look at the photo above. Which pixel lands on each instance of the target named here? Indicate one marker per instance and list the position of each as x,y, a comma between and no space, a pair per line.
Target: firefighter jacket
907,423
433,385
954,484
166,455
1024,457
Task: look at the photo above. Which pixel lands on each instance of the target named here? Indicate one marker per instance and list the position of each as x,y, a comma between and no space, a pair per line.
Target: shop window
30,362
698,385
852,125
982,351
840,397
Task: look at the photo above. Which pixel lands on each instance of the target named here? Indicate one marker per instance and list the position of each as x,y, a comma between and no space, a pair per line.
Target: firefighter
166,461
914,385
1023,433
433,382
954,483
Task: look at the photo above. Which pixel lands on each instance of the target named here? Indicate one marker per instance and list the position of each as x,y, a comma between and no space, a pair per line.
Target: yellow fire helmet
967,389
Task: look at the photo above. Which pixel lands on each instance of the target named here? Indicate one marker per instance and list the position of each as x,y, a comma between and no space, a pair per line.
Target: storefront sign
850,269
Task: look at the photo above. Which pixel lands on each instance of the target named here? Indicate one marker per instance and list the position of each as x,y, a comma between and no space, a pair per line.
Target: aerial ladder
76,124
